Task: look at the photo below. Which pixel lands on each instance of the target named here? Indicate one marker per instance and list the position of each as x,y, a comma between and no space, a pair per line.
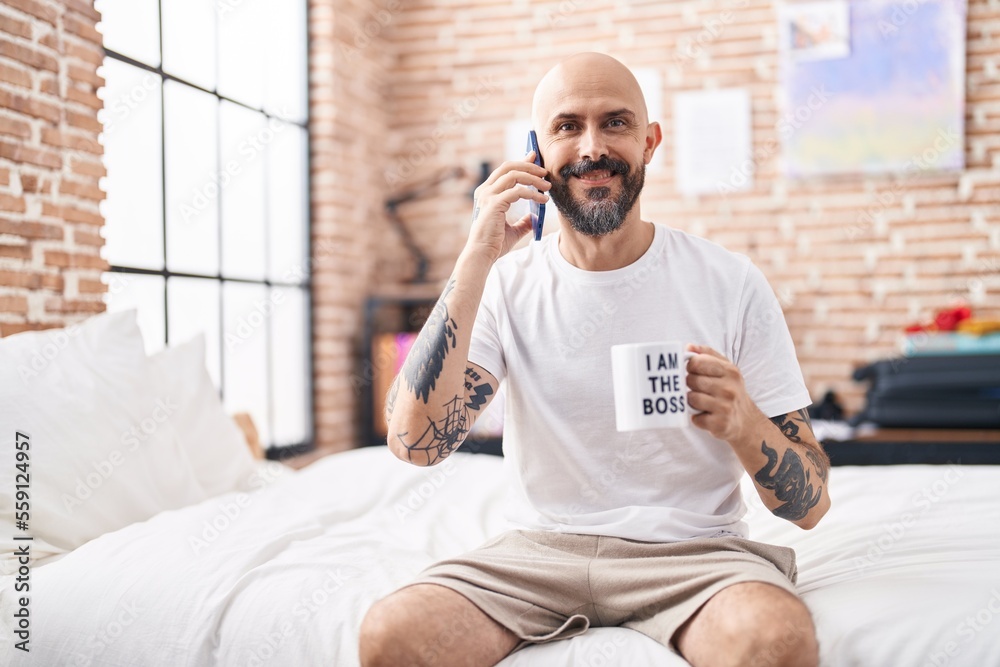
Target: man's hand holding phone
491,234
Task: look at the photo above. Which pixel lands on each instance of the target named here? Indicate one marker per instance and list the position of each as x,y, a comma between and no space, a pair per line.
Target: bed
904,570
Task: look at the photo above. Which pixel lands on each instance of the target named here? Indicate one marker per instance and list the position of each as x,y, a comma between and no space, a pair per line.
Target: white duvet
903,571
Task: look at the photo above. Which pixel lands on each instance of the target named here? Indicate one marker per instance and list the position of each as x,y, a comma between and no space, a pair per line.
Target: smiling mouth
596,177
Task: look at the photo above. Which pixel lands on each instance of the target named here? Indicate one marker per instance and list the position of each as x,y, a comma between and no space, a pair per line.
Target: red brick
4,176
81,27
84,74
83,121
29,183
15,251
39,10
92,54
71,214
43,186
36,156
29,105
60,305
83,237
53,282
15,26
28,55
11,328
13,304
54,41
87,98
49,85
11,204
83,167
71,140
30,229
70,260
14,127
84,8
31,280
84,190
87,286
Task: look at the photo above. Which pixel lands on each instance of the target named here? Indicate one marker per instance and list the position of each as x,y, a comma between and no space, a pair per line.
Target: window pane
193,308
245,138
245,314
132,28
129,290
242,67
286,59
192,179
289,366
131,137
189,41
286,203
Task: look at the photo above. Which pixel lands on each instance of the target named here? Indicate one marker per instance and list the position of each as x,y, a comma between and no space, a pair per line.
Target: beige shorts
546,586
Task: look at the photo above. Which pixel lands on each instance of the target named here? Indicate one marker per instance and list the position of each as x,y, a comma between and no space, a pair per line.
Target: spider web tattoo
441,437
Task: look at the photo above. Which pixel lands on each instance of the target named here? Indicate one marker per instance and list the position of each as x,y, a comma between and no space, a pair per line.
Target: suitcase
947,391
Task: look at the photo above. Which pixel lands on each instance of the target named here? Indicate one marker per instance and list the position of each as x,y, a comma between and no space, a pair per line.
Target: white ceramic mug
650,384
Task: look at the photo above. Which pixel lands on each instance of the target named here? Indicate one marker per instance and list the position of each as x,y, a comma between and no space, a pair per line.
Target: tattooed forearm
791,483
788,427
820,461
478,394
426,358
794,426
440,438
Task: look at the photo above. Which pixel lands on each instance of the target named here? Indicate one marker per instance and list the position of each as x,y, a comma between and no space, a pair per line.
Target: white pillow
102,451
213,442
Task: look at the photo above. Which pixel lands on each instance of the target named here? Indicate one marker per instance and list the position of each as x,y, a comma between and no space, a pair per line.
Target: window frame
272,451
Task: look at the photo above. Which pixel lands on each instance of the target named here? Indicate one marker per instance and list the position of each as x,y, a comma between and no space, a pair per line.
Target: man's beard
599,214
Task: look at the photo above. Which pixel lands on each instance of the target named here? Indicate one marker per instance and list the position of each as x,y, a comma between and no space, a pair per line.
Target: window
207,217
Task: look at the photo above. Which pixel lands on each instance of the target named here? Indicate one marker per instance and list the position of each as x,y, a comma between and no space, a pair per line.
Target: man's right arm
438,394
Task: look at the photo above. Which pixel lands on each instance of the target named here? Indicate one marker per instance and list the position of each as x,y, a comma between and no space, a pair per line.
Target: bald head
587,77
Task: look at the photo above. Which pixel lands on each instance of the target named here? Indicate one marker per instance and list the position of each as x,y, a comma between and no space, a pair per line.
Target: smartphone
537,210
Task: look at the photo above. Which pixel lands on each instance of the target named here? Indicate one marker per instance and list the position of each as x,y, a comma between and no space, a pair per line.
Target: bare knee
776,633
785,641
751,625
380,633
425,625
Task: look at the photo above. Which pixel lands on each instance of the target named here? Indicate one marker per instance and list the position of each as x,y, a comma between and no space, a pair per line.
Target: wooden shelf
986,436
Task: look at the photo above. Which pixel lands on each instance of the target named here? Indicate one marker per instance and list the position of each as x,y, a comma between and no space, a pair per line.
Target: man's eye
566,127
616,122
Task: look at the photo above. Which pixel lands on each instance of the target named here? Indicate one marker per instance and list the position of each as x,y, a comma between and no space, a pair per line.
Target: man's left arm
788,466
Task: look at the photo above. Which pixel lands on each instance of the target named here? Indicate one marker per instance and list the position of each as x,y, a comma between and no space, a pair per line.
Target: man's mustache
605,163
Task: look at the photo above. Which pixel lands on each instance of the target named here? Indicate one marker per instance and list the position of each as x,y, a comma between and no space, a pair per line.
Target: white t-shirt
547,327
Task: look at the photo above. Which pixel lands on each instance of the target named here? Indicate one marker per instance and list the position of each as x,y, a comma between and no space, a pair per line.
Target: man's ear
654,135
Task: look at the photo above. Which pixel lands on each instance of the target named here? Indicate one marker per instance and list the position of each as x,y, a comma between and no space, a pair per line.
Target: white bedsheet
285,575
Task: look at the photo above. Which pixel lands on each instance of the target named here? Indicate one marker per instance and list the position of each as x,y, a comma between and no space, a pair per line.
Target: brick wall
348,73
845,295
50,163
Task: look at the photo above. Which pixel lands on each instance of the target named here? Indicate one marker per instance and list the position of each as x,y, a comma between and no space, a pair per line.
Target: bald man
641,529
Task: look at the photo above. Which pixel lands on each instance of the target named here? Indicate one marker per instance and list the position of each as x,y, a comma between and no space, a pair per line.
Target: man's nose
592,144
